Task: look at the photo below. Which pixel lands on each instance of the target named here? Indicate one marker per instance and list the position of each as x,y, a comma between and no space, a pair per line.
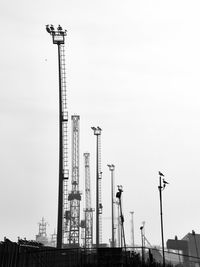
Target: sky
133,69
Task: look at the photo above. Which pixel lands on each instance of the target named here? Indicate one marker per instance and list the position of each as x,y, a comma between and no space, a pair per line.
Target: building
188,249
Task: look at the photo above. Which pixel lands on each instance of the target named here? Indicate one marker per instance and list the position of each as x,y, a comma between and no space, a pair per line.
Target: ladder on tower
64,146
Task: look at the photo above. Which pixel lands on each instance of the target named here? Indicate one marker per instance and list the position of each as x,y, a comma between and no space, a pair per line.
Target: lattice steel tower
75,196
63,210
88,205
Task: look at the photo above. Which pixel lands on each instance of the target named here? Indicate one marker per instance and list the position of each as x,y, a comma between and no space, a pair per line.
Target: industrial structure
41,237
75,196
97,132
88,222
188,248
58,36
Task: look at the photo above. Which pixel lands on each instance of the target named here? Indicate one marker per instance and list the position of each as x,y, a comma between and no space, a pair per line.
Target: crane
75,196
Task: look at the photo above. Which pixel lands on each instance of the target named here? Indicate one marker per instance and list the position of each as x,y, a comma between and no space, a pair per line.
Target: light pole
118,224
142,240
112,168
58,37
143,231
97,132
132,228
161,187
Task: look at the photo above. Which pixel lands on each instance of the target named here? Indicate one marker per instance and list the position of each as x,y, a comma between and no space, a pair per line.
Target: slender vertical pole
161,220
112,168
119,225
97,132
60,190
142,240
113,238
97,194
132,229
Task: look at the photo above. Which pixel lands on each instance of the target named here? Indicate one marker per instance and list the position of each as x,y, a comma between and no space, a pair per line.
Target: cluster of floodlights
97,130
50,29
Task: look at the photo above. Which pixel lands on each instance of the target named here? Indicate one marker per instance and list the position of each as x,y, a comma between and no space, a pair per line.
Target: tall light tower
97,132
112,168
58,36
88,205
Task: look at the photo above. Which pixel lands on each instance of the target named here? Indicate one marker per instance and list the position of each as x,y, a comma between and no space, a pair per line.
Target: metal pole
161,220
142,240
132,228
97,194
60,190
113,238
112,168
119,225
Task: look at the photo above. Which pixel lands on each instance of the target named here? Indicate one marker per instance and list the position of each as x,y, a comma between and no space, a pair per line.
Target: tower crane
75,196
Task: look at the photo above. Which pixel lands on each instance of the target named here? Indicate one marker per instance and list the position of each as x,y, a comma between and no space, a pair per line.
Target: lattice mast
63,209
75,196
42,228
88,242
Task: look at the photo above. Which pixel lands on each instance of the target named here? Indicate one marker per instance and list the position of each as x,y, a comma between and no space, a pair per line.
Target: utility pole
58,36
97,132
112,168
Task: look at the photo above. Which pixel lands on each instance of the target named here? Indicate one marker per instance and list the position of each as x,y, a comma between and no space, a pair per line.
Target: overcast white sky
132,69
